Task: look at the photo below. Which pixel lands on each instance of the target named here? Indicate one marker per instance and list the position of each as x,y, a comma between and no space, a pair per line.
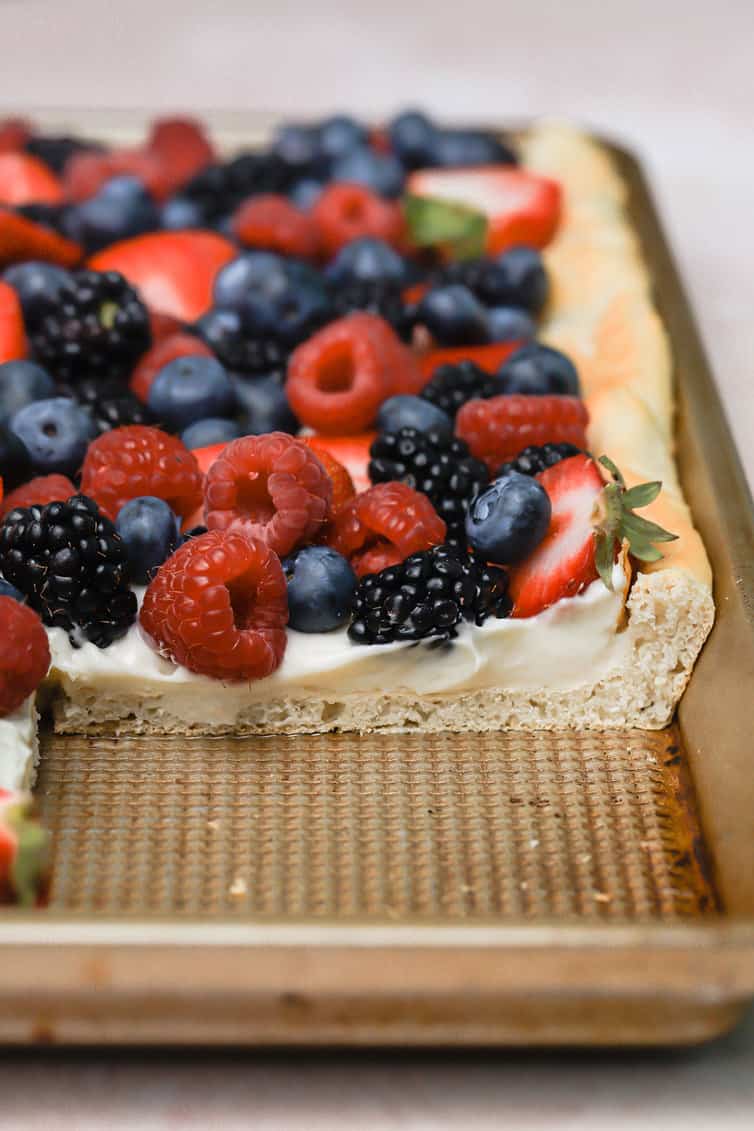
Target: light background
674,79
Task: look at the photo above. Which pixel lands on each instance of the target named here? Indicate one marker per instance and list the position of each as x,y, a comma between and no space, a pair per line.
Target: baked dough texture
601,314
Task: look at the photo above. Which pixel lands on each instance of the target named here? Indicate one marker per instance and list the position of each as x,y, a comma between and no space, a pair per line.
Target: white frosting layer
18,746
569,645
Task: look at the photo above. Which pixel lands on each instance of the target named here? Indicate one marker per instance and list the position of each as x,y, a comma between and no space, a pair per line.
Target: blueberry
189,389
56,433
8,590
537,370
366,260
339,135
305,193
38,286
299,147
510,324
454,316
15,461
509,519
380,172
220,329
213,430
22,382
321,585
264,406
403,411
456,148
412,137
149,530
180,212
122,208
519,279
259,271
290,313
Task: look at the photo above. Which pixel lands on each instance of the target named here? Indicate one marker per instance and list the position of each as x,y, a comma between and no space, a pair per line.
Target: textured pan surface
544,826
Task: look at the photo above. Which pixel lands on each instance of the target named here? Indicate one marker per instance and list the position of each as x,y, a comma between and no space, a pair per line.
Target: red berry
351,451
272,487
344,212
40,491
14,134
162,325
497,429
158,356
182,146
136,460
385,525
219,606
24,654
12,333
272,223
27,180
22,239
338,379
342,483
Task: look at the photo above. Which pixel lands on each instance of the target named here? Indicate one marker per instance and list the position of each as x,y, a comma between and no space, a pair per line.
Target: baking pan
510,889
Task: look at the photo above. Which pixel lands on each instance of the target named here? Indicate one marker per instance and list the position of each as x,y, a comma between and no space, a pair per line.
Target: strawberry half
12,333
520,207
590,520
22,239
172,271
489,357
27,180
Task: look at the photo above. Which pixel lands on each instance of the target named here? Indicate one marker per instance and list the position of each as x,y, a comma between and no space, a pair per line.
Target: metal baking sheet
572,888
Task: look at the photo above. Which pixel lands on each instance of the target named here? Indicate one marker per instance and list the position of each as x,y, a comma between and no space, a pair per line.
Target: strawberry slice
22,239
12,333
489,358
27,180
590,520
174,272
205,457
520,207
351,451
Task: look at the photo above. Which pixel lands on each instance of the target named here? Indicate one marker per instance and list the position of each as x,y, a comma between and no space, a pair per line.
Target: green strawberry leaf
443,223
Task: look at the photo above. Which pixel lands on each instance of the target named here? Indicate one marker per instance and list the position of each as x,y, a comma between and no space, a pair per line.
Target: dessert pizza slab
513,886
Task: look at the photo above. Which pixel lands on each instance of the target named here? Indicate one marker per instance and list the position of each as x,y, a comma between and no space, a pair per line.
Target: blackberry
376,297
55,150
219,189
237,351
428,595
443,469
111,403
95,326
532,460
71,564
451,386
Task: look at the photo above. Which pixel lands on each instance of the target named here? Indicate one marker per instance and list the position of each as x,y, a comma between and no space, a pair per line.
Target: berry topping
405,411
22,238
517,278
210,431
25,180
510,324
498,428
382,173
435,464
158,356
383,526
22,383
263,405
96,326
453,316
150,534
509,519
382,298
272,487
55,433
219,607
532,460
272,223
321,585
451,386
428,595
24,654
120,209
342,483
188,389
346,212
111,403
536,370
224,332
15,461
40,491
367,260
339,378
129,462
70,563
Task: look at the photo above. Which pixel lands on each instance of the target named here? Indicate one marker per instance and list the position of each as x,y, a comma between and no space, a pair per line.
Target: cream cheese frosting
18,746
573,643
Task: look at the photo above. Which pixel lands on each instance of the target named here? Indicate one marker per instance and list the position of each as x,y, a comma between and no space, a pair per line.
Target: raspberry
385,525
499,428
339,377
404,370
219,606
182,146
137,460
342,483
158,356
272,223
24,654
344,212
40,491
272,487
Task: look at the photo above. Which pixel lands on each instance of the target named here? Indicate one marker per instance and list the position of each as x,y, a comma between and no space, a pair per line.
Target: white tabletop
671,78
